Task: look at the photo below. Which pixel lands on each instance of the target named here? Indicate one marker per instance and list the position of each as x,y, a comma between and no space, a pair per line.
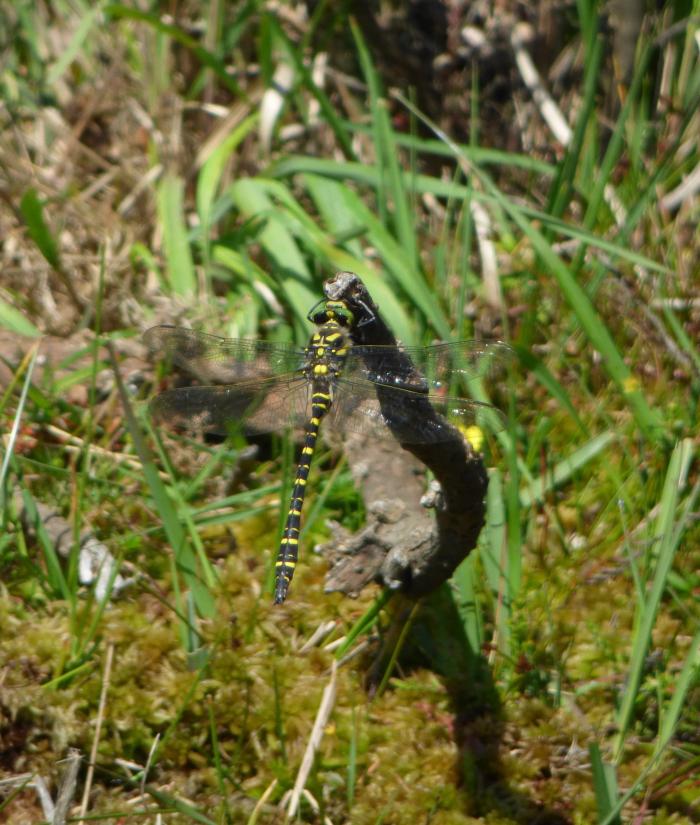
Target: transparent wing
266,391
385,412
423,369
251,406
222,360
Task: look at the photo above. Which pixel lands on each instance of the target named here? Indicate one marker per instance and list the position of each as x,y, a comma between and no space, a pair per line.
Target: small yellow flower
475,437
630,384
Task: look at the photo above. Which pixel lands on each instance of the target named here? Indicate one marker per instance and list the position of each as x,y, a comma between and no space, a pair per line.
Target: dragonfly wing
254,406
384,412
222,360
433,368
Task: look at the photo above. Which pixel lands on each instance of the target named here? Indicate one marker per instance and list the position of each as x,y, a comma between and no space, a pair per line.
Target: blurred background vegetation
522,172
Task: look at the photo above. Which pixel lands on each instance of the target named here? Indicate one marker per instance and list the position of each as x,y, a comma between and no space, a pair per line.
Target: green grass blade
671,713
219,771
392,190
513,519
184,558
668,537
210,175
399,264
172,803
88,21
361,174
648,420
535,366
604,785
329,197
55,579
342,212
464,582
279,718
492,554
538,489
690,348
365,621
205,57
351,769
563,184
179,265
9,443
328,112
32,211
615,146
252,198
482,155
14,321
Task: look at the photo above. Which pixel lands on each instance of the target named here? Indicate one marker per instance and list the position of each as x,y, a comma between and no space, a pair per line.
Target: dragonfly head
333,311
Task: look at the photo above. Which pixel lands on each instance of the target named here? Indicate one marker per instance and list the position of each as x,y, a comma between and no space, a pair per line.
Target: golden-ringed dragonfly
263,386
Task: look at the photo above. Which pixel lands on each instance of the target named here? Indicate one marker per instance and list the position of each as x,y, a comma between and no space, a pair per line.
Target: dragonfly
377,391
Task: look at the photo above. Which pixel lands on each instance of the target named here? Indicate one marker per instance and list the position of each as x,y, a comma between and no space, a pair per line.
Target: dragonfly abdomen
289,544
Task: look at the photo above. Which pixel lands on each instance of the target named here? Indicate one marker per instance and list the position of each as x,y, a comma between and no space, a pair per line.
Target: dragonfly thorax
326,352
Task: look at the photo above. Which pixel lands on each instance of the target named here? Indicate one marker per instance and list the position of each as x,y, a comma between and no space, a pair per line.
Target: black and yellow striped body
351,371
326,355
